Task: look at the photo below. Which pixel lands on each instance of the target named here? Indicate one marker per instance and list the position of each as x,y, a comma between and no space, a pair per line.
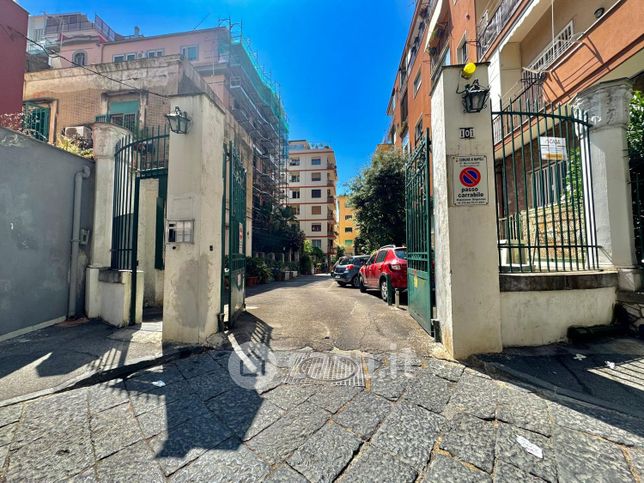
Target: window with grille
79,58
295,195
316,227
548,184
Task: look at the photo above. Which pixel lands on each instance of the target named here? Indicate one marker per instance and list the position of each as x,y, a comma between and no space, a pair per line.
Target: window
348,229
349,243
128,121
418,131
118,58
316,243
549,184
381,256
316,193
155,53
190,52
316,210
124,113
462,52
295,178
295,195
417,82
296,210
316,162
348,217
124,57
446,58
79,58
405,142
316,227
294,162
316,176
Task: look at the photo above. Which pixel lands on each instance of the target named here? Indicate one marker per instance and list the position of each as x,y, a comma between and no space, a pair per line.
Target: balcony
555,49
489,27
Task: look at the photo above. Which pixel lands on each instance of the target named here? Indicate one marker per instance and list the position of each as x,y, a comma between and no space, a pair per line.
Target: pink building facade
12,55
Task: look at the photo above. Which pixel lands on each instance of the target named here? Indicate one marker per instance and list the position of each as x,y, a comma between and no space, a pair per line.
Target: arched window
79,58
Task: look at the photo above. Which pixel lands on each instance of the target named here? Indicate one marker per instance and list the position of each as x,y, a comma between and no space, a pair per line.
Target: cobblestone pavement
416,420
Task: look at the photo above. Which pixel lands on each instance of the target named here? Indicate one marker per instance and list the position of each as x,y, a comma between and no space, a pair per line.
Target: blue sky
334,59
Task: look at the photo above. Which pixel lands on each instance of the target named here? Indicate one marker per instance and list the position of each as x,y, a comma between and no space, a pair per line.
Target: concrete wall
543,317
153,286
36,202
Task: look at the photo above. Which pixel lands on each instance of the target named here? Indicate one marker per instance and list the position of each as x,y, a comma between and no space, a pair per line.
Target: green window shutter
125,107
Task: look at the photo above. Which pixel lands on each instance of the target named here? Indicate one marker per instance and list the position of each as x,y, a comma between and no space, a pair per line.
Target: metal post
135,245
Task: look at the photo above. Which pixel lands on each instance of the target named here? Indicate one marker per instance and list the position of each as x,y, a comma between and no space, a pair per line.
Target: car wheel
383,290
361,286
355,281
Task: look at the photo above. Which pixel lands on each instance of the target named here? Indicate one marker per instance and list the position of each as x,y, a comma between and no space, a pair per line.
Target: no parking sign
469,180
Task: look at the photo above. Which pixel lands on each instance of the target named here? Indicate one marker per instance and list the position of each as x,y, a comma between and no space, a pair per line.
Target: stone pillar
104,137
193,269
607,105
467,273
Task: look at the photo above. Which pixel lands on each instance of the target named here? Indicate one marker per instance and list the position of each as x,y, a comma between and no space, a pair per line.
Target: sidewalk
213,417
608,372
58,355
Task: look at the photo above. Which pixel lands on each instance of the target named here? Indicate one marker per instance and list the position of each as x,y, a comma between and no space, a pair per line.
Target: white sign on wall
469,180
553,149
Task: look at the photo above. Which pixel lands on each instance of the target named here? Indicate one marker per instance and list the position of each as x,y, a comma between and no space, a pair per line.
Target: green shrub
256,267
306,265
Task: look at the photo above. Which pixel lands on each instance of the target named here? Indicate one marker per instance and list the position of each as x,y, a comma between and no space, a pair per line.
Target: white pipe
73,278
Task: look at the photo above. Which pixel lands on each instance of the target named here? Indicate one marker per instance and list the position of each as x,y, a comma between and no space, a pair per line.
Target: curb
494,368
90,378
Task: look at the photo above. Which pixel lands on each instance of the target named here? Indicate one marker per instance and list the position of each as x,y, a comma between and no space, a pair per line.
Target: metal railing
555,49
637,191
490,27
545,204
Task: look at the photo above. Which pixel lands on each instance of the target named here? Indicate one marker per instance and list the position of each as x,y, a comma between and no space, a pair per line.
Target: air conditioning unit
78,131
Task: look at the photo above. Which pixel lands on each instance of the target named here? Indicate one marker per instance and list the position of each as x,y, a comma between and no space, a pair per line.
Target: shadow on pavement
608,373
205,406
52,356
300,281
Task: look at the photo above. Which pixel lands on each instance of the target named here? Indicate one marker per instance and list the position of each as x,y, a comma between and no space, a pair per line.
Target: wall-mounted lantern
474,96
178,121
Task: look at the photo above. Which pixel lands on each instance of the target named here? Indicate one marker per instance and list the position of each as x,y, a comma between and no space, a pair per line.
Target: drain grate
341,370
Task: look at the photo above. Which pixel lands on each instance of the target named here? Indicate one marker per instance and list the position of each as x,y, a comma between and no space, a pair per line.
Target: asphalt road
316,312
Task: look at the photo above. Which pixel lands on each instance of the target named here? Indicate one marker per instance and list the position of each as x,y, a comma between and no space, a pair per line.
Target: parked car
391,260
346,271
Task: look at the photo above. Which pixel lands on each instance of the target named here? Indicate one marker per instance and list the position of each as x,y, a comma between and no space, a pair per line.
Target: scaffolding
257,107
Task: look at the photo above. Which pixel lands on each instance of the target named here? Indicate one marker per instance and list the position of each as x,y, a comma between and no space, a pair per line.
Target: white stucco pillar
192,278
104,138
467,274
607,105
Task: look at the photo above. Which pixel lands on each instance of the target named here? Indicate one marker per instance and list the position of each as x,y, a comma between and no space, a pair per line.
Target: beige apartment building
311,186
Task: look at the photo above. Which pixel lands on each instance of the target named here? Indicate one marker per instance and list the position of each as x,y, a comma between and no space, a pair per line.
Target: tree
635,130
377,195
275,229
339,253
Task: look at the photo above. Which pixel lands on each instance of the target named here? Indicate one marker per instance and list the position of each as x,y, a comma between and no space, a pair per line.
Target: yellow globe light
468,70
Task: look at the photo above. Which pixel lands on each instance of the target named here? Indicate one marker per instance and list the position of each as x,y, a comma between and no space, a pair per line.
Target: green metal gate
420,277
137,158
234,252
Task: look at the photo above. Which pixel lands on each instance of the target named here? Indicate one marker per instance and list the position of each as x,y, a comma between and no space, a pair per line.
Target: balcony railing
489,27
555,49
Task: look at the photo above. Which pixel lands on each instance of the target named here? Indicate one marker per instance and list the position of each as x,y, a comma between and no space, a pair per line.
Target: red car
389,259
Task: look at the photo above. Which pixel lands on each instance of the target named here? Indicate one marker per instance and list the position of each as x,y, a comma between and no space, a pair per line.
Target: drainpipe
73,278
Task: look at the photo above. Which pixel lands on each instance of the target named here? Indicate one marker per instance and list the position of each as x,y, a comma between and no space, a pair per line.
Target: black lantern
475,96
178,121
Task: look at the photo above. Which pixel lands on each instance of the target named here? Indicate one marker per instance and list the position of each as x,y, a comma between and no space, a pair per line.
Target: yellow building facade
347,229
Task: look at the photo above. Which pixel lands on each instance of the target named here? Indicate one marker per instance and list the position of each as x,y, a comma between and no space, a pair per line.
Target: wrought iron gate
419,215
137,158
234,252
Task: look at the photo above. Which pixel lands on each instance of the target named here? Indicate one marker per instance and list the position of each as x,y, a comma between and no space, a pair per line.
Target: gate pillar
466,257
104,138
607,105
193,260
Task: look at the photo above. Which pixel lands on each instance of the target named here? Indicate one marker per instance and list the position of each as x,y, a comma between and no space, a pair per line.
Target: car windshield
358,261
401,253
344,261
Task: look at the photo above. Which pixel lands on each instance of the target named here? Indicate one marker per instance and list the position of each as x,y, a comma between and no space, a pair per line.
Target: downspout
73,278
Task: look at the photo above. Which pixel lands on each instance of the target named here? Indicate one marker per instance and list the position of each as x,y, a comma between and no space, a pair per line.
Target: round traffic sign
470,177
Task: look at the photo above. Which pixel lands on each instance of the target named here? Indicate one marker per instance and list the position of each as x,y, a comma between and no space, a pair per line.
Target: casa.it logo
253,365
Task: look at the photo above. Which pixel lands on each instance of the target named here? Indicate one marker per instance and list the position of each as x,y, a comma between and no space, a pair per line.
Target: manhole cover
327,368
